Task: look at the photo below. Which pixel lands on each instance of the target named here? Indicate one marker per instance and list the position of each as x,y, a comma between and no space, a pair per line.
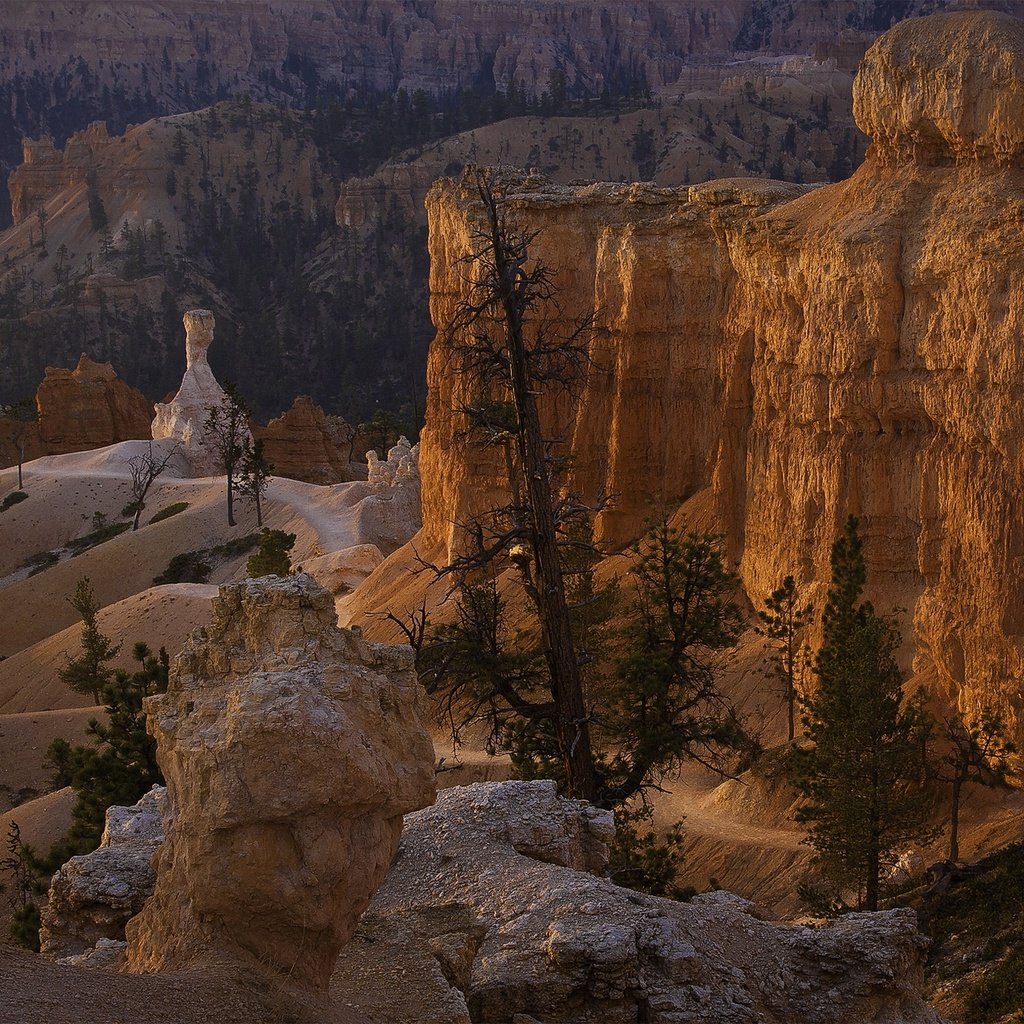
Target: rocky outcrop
184,417
291,750
390,513
89,407
792,355
304,443
399,469
76,410
45,170
93,896
494,911
488,915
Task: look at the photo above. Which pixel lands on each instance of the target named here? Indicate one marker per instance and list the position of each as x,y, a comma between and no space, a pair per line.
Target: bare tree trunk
231,499
567,688
954,821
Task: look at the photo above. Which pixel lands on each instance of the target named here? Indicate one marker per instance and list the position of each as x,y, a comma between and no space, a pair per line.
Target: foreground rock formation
291,750
492,912
184,417
784,356
489,916
92,897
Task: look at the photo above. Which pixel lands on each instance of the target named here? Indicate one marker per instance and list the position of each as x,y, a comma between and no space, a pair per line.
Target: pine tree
120,766
783,620
227,427
254,475
88,673
663,706
20,865
863,777
272,558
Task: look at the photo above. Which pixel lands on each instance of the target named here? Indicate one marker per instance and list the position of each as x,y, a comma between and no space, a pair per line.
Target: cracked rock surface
291,750
471,926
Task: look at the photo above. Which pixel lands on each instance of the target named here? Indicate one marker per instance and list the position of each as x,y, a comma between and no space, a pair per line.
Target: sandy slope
161,616
66,491
24,740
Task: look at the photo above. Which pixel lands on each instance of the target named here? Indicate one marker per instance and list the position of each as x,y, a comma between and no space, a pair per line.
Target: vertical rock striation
291,750
794,354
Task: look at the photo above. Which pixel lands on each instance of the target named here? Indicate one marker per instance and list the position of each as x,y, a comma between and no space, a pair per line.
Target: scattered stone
552,943
93,896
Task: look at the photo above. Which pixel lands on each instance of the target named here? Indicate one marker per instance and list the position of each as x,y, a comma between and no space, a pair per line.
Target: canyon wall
392,44
791,355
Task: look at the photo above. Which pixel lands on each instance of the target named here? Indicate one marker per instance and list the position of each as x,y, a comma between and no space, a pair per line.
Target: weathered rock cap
945,88
199,325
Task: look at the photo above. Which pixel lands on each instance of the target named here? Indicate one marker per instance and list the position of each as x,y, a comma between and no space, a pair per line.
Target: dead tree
23,415
144,470
508,341
978,751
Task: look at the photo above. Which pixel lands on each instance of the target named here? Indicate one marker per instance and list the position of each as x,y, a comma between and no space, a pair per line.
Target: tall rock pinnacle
183,417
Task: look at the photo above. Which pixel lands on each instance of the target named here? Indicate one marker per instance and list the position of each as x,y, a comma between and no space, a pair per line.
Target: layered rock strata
89,407
291,750
184,417
795,355
76,410
45,170
391,44
489,915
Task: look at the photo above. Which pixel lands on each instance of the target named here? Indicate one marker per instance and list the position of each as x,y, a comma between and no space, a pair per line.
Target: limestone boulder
93,896
184,417
489,915
291,750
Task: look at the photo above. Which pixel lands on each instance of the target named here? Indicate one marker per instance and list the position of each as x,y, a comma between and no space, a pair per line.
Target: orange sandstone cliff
87,407
790,355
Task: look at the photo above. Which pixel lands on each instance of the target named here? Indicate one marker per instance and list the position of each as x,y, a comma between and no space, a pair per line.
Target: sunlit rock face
786,356
291,750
